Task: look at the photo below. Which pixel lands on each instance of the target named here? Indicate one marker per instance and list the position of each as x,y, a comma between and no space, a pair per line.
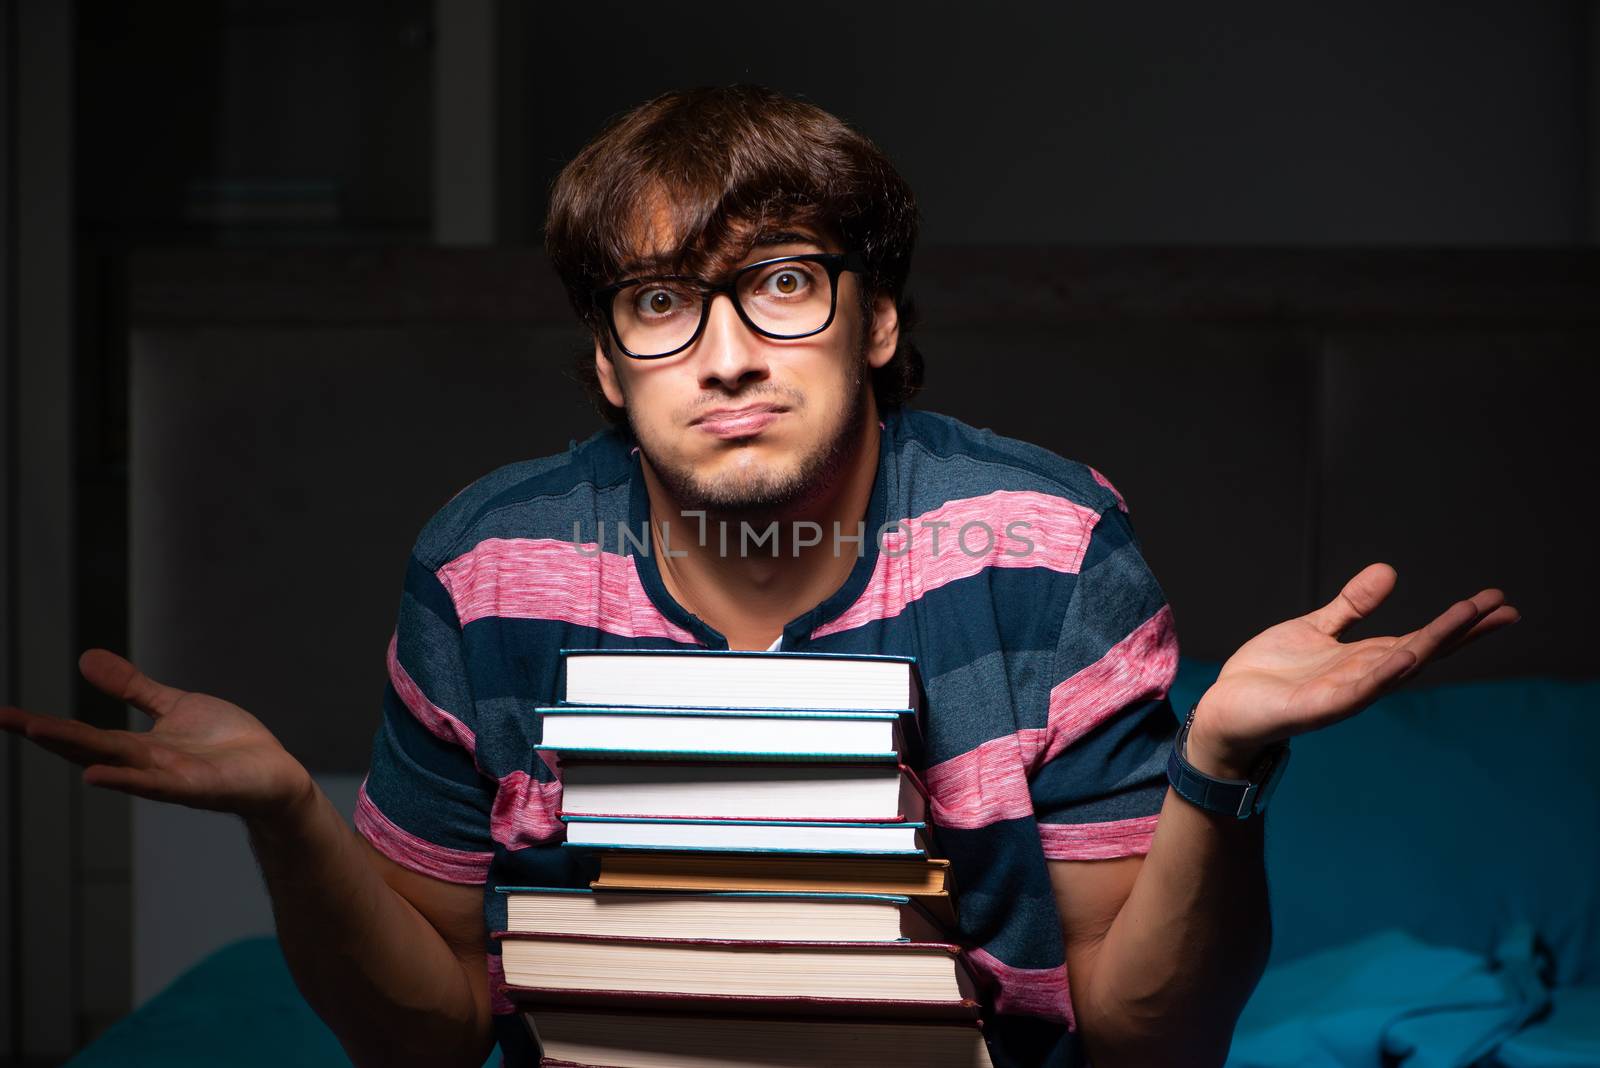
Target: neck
749,591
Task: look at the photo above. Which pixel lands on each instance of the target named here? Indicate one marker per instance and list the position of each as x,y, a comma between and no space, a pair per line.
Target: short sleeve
1099,781
424,803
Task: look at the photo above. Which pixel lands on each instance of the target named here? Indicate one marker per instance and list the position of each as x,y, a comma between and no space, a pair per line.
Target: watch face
1274,774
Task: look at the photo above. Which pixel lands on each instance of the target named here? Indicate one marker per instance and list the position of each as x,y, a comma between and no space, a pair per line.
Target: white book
543,967
727,733
692,678
759,836
721,790
737,916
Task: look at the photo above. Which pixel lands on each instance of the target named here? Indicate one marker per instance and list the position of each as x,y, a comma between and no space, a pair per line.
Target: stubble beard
767,495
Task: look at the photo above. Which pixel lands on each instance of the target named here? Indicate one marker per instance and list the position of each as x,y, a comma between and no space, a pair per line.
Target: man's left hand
1298,676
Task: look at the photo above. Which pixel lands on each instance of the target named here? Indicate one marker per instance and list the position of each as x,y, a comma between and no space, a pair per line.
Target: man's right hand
393,961
202,751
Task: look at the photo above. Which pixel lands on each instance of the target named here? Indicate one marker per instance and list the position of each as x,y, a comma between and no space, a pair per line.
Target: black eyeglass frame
835,263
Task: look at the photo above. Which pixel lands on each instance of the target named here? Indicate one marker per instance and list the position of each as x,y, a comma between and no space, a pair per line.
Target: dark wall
1264,123
1258,122
201,120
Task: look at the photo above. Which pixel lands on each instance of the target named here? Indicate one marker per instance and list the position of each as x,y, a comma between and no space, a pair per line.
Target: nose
729,353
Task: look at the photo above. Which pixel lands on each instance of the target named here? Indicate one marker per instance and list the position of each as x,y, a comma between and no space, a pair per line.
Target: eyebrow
785,237
652,265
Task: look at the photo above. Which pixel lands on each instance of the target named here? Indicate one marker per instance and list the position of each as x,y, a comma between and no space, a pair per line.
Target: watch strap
1239,798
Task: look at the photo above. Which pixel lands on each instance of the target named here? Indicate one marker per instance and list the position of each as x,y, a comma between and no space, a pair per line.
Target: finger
1452,623
1359,598
1503,616
141,782
83,744
15,719
117,676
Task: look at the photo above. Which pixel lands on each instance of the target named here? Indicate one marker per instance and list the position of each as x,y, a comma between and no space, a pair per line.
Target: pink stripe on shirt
989,783
1006,528
1139,668
549,578
1098,841
499,1004
1106,482
1025,991
418,854
981,786
524,812
440,724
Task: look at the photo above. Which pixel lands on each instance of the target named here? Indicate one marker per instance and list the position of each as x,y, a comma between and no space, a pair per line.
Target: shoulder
532,498
946,455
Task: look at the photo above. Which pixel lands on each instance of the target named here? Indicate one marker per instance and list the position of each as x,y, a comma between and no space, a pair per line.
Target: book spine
965,1008
949,949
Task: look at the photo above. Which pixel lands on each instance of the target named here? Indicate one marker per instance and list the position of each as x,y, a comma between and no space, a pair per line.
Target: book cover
788,837
655,1039
703,975
741,915
725,733
739,677
749,790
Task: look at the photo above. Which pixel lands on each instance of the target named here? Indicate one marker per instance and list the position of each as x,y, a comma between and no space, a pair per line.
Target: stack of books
769,892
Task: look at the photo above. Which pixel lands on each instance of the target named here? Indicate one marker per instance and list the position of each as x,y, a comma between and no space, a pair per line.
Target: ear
885,331
607,372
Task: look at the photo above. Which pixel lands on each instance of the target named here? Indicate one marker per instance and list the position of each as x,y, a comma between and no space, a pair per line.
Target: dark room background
272,292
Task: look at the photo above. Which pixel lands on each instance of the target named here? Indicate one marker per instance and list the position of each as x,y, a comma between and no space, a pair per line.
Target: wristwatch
1239,798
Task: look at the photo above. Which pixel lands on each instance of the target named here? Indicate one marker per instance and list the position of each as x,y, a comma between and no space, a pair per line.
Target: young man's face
809,399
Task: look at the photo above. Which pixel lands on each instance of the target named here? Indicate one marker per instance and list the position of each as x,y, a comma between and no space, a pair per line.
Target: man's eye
787,282
657,302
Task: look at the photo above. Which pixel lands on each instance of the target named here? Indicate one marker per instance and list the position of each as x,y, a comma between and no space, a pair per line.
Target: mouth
738,422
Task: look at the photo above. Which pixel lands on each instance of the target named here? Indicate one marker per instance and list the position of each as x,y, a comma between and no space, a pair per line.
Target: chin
744,481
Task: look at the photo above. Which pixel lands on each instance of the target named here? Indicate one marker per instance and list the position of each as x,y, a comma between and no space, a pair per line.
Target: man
740,260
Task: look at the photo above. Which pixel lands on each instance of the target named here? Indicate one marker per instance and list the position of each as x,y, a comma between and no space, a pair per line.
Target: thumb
117,677
1359,598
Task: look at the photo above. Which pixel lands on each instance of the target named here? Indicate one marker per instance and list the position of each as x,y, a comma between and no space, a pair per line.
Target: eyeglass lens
788,299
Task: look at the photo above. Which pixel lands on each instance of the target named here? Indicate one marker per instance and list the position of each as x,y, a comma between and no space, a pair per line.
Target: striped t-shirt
1012,575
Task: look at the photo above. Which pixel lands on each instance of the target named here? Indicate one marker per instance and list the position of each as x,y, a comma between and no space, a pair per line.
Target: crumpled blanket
1389,999
1567,1038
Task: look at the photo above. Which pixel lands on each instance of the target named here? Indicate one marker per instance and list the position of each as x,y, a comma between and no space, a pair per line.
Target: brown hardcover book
583,1037
928,880
896,980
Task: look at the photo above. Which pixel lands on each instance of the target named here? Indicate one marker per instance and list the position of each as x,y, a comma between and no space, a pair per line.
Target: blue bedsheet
237,1007
1389,998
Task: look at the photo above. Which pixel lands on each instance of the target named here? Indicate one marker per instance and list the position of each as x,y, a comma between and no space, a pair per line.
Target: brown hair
718,166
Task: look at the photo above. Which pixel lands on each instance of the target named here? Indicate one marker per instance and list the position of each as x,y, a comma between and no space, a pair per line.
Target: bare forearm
1187,947
390,987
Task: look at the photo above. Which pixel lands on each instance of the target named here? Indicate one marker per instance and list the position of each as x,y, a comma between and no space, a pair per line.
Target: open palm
201,751
1298,676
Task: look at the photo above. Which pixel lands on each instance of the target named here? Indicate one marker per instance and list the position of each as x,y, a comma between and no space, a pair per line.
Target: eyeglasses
785,298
